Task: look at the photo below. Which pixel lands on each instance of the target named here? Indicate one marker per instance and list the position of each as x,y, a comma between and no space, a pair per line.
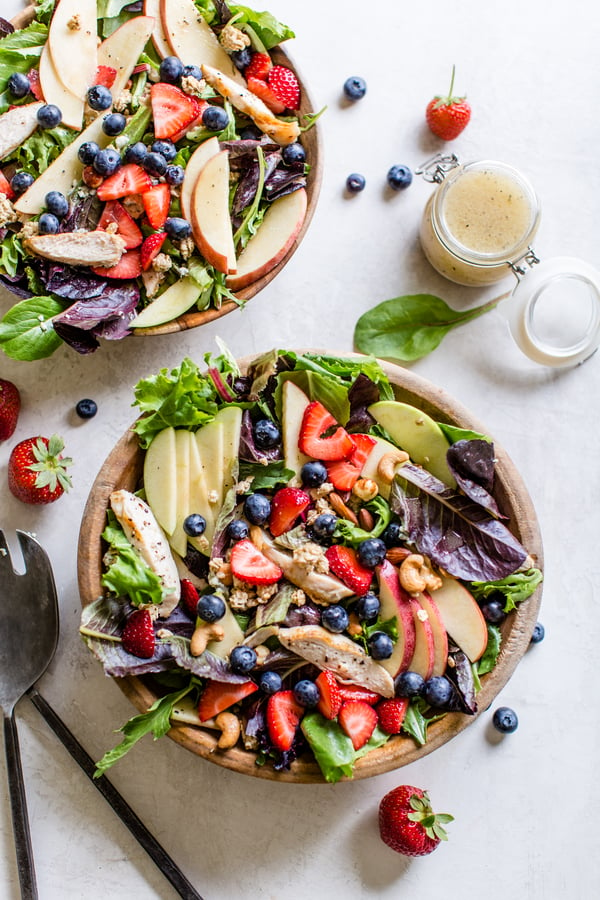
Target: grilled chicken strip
17,125
78,248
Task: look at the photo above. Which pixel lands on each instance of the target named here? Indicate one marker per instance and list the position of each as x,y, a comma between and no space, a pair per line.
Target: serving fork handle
18,804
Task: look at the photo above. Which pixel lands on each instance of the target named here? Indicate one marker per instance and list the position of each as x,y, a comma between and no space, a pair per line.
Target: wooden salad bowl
313,145
123,469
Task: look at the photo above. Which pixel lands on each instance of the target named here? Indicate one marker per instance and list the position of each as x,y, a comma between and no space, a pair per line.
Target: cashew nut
386,467
416,575
205,632
365,489
230,728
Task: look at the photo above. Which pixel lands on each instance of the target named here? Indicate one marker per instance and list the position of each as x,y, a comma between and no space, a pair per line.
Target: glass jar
479,221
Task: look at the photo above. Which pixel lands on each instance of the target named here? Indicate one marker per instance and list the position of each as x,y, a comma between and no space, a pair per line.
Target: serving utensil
29,627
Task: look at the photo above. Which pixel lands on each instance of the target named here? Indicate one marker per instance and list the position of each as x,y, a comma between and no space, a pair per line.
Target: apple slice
462,618
369,469
418,434
63,172
423,658
211,222
73,44
122,49
172,303
199,502
440,636
233,635
230,418
294,403
161,45
194,166
178,538
191,38
160,479
54,91
275,237
396,603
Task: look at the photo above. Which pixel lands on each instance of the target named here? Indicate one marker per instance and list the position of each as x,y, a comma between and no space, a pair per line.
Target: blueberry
392,536
86,408
355,87
307,693
114,124
399,177
237,530
18,85
381,646
57,204
250,133
293,153
321,530
49,116
409,684
313,474
493,611
193,72
99,97
21,181
241,58
210,608
438,691
538,634
355,183
270,682
87,152
334,618
371,552
155,164
136,153
166,149
177,228
170,70
194,525
215,118
106,162
242,660
257,508
266,434
505,720
48,224
367,607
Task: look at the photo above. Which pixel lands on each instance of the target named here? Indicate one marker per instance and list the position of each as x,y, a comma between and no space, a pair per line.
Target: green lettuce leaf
353,535
19,52
416,720
513,589
26,331
269,30
266,477
11,251
36,153
128,575
490,657
333,749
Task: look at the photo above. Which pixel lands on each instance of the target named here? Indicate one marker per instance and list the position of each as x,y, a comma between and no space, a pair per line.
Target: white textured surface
523,805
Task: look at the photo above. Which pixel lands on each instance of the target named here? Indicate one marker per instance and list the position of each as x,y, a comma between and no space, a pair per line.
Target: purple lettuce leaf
248,183
79,340
457,534
16,285
248,449
363,393
71,283
83,215
472,464
461,676
115,301
115,329
5,27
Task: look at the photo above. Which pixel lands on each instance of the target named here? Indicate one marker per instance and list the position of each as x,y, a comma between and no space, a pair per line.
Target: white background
524,806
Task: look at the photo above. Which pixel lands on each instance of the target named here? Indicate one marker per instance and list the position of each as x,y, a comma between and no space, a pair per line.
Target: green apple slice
233,635
369,469
176,300
178,538
231,423
294,402
54,91
73,44
160,479
191,38
122,49
199,502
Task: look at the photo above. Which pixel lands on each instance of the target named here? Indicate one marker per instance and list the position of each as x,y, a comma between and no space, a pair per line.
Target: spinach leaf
11,251
454,433
410,327
416,720
353,535
266,477
26,331
490,656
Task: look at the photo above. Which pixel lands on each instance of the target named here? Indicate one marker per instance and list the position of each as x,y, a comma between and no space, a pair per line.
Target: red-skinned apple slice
122,49
275,237
55,92
211,222
396,603
195,164
73,44
440,636
192,39
424,654
462,618
159,39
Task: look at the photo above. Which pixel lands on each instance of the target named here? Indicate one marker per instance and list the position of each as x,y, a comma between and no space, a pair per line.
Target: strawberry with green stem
448,116
37,471
408,824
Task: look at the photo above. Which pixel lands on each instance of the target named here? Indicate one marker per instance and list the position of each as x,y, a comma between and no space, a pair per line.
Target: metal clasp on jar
529,257
435,169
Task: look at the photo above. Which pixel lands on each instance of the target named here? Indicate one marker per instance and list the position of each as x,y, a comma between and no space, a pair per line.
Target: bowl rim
399,750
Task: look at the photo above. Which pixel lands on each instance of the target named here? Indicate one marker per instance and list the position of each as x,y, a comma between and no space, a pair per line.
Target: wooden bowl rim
313,143
398,751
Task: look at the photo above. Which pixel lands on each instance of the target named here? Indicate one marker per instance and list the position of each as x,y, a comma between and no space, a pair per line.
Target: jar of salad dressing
477,228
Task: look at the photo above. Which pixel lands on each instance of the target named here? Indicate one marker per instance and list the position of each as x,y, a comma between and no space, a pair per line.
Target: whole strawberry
37,472
10,407
407,823
448,116
138,634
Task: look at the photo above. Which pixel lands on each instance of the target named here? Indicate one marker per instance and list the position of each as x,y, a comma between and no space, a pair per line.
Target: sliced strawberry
259,67
151,248
283,717
344,474
5,187
285,86
105,75
390,713
312,442
363,445
344,563
129,179
330,700
189,597
34,84
218,695
129,266
358,720
288,503
355,692
156,202
115,213
172,110
138,634
250,565
262,90
200,106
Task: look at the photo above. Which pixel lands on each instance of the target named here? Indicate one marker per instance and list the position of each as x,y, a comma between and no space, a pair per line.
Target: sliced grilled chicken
340,655
148,540
16,125
248,103
78,248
